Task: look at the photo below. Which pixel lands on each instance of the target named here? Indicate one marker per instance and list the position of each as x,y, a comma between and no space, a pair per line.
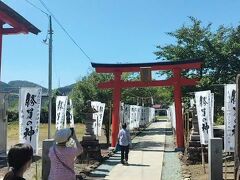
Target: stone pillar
89,133
194,149
46,163
215,162
3,122
194,135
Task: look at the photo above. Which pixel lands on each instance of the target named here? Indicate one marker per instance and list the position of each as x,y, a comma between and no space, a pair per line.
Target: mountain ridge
14,86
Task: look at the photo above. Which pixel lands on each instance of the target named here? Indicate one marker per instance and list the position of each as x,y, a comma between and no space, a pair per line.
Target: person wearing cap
124,140
62,156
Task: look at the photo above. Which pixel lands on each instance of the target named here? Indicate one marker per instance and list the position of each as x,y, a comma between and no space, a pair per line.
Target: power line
71,38
33,5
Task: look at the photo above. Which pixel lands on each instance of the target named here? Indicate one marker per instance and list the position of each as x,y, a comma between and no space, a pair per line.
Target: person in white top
124,142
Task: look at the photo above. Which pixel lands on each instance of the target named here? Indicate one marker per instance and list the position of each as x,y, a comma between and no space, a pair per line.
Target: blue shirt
124,137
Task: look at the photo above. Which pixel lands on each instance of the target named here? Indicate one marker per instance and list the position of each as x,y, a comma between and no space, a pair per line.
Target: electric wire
33,5
36,7
58,22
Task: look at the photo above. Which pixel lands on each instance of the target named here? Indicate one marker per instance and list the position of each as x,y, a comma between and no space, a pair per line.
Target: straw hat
62,135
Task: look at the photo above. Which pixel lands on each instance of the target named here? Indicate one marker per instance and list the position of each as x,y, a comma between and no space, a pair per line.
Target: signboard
61,109
229,117
145,74
204,111
29,116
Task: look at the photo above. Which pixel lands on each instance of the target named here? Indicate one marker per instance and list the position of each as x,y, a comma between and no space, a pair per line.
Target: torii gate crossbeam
177,81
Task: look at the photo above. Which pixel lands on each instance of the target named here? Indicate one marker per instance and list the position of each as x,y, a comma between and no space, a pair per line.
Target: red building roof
19,23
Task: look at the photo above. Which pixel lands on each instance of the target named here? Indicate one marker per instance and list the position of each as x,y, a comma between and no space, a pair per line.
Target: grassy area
35,171
161,117
13,132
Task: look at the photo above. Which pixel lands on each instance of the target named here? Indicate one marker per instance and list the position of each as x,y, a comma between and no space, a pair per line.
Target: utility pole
50,32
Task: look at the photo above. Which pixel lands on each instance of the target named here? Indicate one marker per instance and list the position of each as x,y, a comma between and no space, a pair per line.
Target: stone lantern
91,146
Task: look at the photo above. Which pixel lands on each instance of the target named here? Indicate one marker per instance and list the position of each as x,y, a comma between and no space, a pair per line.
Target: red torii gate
177,81
17,23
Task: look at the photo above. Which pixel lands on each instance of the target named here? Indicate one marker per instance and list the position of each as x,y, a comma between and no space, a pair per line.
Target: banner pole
36,170
225,162
203,159
50,79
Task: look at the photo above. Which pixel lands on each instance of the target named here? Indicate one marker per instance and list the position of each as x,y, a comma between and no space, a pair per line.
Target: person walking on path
19,160
124,140
62,155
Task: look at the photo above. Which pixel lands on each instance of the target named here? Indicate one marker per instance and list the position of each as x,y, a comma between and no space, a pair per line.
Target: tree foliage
87,89
220,50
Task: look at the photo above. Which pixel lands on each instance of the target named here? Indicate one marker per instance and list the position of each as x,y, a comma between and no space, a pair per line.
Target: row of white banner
136,116
30,110
205,113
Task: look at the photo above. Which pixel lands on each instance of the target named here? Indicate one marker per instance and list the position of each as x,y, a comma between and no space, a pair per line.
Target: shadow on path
140,165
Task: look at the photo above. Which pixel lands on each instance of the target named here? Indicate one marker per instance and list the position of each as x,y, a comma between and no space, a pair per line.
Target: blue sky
110,31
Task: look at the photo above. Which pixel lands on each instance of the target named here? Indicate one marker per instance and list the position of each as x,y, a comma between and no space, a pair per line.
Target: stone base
194,154
91,150
195,137
194,144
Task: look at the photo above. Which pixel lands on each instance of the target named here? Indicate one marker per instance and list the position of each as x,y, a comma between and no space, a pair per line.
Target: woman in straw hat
62,157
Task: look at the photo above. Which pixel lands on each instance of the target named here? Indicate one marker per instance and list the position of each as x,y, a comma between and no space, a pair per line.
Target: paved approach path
145,159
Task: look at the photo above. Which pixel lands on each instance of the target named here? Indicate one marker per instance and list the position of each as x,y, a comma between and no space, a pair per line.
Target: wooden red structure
16,25
177,81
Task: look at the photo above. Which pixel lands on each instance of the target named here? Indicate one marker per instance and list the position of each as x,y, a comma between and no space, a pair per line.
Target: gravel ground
171,163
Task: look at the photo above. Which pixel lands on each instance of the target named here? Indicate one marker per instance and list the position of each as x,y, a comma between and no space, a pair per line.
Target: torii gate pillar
178,108
116,107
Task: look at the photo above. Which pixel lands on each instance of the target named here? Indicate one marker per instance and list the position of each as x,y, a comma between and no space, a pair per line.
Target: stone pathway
145,159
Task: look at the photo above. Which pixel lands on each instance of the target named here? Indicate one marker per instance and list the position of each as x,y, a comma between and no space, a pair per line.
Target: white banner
204,109
192,102
126,115
97,125
172,115
121,112
229,117
61,109
133,117
69,113
29,116
212,108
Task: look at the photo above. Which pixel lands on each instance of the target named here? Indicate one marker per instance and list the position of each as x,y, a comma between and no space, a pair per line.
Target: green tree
87,89
160,95
220,50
